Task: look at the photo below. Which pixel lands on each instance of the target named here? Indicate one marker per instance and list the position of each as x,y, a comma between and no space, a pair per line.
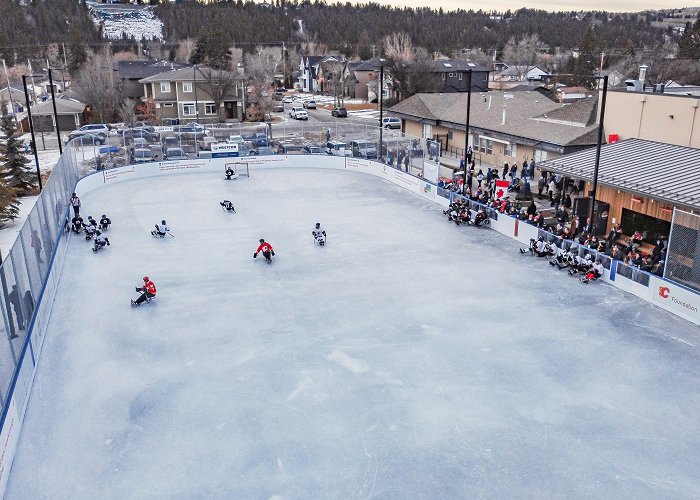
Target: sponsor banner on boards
675,298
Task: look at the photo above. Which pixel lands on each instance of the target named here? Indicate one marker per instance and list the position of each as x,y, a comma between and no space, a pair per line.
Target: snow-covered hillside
136,22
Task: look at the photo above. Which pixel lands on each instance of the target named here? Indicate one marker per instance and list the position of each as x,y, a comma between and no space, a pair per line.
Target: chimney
503,120
642,74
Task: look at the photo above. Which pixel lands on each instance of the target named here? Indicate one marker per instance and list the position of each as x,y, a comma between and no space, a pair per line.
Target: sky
549,5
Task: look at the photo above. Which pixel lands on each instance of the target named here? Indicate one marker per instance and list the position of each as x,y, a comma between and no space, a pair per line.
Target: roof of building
180,75
528,115
313,60
135,70
519,69
626,165
14,93
369,65
63,107
445,66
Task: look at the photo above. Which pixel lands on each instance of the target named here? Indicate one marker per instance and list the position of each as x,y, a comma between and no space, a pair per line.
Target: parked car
84,138
298,113
142,155
140,142
309,104
339,112
363,149
312,149
101,129
172,154
143,133
235,138
259,139
278,108
391,122
206,142
288,99
265,151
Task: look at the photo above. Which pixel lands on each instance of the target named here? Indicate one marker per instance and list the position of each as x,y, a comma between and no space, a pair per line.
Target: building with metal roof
654,170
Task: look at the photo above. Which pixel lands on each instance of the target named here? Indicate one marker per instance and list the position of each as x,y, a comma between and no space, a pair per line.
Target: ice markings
348,362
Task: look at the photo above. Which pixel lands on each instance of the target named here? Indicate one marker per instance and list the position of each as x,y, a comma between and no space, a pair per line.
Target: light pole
591,208
31,130
466,129
381,104
55,113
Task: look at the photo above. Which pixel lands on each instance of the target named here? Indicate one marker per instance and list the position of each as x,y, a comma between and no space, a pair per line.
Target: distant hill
344,26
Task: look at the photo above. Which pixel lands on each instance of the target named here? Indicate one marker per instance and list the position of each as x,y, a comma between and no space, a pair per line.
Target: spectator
541,184
505,171
616,253
36,245
532,169
479,178
470,154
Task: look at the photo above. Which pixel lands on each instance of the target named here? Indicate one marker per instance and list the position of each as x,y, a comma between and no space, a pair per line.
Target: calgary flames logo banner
664,291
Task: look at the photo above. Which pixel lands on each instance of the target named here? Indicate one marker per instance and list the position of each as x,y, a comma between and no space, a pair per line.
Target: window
485,146
460,75
509,149
210,108
165,86
540,156
189,110
443,76
187,87
167,104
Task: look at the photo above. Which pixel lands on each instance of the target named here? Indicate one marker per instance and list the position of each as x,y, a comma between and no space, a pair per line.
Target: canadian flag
501,189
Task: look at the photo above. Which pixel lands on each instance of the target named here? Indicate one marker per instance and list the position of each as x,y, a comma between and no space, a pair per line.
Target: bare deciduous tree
97,85
184,50
407,63
260,67
220,84
524,53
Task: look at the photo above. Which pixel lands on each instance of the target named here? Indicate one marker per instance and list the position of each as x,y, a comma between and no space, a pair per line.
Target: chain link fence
683,251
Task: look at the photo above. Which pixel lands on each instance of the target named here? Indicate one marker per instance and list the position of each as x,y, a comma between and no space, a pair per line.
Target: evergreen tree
77,52
15,175
212,50
9,204
586,67
689,43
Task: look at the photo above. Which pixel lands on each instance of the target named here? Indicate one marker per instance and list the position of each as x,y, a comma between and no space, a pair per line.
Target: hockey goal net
240,169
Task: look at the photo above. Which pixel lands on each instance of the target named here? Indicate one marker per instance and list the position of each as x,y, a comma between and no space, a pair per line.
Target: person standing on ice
148,291
266,250
161,229
75,203
319,234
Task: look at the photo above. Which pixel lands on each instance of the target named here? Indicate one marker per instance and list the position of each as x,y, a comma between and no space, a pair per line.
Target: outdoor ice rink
407,359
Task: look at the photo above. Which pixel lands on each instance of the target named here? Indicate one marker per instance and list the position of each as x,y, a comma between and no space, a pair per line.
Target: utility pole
43,142
9,92
374,50
65,66
284,62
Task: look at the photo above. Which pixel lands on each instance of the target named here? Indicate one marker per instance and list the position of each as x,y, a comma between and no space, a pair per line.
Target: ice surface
408,358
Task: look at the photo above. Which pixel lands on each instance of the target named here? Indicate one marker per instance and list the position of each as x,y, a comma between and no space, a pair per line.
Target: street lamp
466,129
591,208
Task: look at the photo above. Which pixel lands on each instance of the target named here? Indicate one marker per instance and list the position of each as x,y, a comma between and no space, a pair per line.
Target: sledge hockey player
319,234
100,241
230,174
557,256
105,222
595,272
536,246
161,229
77,224
582,266
89,231
266,250
148,292
482,217
465,217
228,206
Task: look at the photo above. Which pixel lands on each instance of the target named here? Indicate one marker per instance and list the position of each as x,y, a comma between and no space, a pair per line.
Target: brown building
504,126
196,94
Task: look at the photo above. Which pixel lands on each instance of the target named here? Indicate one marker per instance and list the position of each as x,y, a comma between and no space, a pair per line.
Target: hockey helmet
318,224
541,238
262,240
163,222
145,278
98,232
89,217
104,216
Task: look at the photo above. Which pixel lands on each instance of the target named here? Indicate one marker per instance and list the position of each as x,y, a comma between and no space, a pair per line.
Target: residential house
358,76
308,68
130,74
187,94
329,75
504,126
387,89
519,73
453,76
71,115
